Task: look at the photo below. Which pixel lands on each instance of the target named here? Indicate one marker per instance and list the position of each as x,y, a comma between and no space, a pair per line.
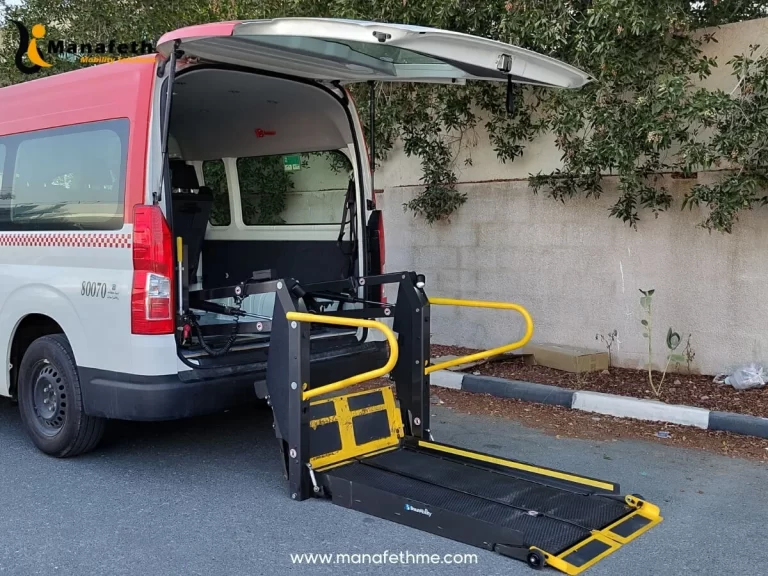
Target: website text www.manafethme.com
382,558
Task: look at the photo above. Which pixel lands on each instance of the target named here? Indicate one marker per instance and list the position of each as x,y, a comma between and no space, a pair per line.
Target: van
140,199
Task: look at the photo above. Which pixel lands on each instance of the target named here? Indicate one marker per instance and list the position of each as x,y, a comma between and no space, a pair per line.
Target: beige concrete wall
577,269
318,194
578,272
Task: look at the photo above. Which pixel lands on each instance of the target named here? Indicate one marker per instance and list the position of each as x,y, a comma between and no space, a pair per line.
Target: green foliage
739,143
644,57
641,116
714,12
673,341
336,161
216,179
264,184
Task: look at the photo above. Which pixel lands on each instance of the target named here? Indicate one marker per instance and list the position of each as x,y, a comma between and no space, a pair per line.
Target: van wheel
50,400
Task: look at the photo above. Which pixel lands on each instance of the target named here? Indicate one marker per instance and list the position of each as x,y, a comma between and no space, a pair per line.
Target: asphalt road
206,496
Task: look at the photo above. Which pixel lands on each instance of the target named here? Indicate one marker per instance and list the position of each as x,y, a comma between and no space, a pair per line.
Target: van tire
51,402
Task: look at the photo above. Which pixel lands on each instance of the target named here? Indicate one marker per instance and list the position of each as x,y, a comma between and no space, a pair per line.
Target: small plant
645,302
608,341
673,341
689,353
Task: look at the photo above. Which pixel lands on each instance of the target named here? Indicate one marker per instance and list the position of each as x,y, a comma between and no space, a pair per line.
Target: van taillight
152,294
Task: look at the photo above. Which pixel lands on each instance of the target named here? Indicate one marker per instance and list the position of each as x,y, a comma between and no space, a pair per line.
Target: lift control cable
215,352
235,311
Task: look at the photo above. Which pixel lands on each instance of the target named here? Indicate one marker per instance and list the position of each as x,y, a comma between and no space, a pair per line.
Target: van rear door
356,51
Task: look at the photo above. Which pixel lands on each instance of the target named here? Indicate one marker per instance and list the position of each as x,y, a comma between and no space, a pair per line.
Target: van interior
265,185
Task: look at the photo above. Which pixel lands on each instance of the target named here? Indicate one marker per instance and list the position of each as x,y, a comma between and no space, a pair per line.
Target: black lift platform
372,452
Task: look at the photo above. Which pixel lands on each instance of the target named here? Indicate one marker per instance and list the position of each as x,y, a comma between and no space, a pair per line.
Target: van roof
89,94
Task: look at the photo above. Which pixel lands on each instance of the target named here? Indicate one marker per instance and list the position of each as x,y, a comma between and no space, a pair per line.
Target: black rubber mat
549,518
591,512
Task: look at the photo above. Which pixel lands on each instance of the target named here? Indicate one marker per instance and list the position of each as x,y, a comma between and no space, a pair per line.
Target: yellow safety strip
519,466
607,537
486,353
343,417
357,323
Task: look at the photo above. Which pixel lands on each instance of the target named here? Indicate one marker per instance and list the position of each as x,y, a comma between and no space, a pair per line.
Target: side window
215,178
70,178
294,188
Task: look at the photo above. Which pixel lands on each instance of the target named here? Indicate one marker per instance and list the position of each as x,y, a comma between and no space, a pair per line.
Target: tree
642,115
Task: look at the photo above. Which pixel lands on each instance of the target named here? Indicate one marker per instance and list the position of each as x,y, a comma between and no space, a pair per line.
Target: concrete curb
628,407
609,404
517,389
738,423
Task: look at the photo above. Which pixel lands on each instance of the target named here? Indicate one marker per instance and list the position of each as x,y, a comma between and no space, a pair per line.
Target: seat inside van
192,205
265,178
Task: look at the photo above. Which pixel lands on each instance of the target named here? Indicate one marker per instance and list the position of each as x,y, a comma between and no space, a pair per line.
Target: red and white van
259,166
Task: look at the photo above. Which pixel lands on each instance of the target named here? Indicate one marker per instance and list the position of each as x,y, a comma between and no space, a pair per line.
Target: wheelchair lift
372,450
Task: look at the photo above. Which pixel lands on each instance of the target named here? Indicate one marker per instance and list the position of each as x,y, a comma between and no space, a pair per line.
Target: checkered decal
65,240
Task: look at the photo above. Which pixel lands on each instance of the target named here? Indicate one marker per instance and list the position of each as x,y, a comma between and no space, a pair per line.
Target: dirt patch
687,389
563,422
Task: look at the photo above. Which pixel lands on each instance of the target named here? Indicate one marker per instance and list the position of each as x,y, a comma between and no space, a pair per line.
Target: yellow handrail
358,323
493,351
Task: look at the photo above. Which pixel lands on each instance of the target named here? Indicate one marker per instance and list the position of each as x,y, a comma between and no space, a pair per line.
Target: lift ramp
372,450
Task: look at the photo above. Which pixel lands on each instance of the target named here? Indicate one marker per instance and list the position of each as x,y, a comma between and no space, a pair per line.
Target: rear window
70,178
294,188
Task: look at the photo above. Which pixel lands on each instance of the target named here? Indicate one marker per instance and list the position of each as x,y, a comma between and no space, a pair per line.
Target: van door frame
158,148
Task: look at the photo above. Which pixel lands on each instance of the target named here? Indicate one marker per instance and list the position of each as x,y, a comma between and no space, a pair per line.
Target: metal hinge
504,63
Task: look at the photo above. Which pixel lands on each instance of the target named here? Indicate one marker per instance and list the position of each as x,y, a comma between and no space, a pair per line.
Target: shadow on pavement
233,428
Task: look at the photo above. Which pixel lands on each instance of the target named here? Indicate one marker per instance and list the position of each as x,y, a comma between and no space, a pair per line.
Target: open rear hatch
354,51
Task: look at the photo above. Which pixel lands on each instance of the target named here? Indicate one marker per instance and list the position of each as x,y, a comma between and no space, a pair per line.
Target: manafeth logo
423,511
30,48
84,53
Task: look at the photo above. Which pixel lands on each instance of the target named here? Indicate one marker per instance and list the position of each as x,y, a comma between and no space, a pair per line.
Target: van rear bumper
132,397
196,392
